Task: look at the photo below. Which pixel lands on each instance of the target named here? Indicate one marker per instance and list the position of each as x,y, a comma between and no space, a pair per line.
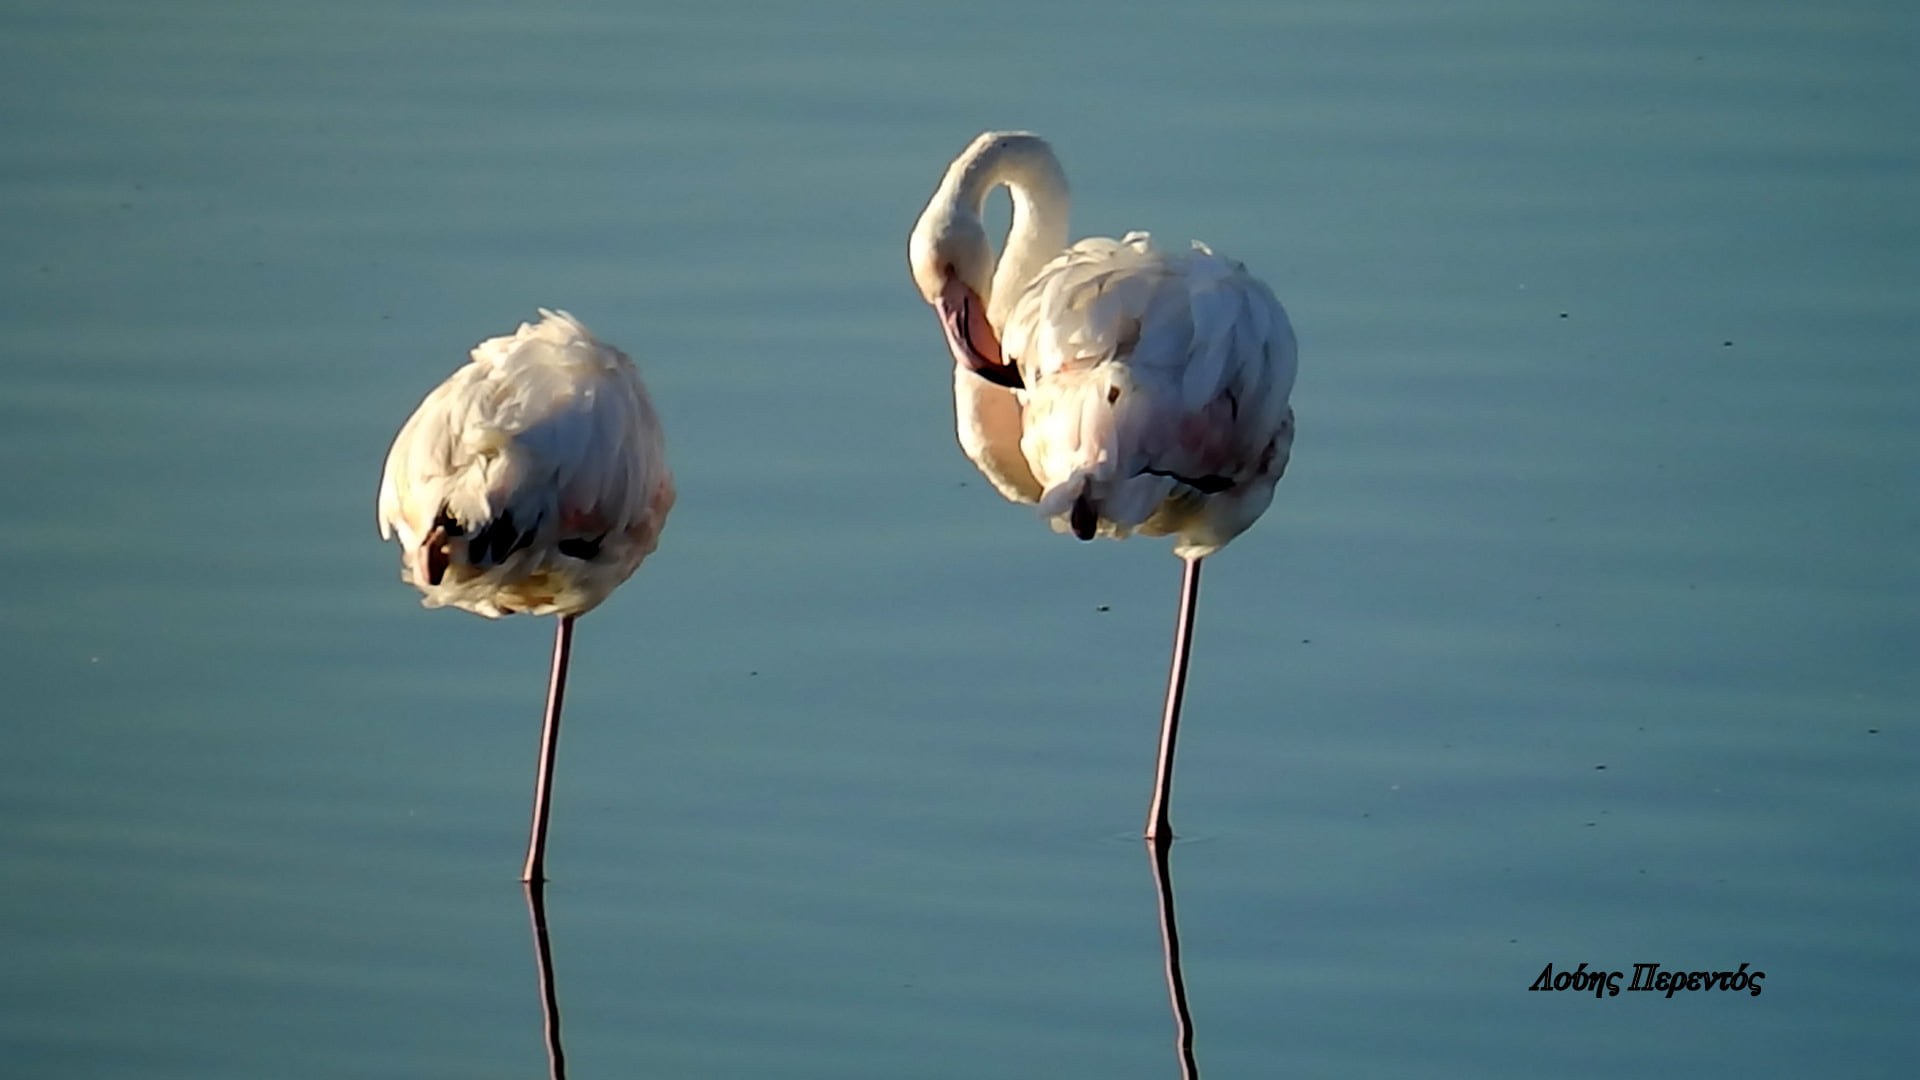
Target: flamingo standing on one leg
533,480
1121,388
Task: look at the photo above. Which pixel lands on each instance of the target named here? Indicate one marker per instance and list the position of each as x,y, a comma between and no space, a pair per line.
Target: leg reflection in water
543,955
1159,849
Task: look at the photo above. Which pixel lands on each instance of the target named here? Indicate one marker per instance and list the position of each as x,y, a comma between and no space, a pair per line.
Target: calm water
1608,416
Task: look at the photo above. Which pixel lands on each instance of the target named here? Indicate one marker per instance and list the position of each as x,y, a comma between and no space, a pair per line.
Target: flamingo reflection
1158,853
543,956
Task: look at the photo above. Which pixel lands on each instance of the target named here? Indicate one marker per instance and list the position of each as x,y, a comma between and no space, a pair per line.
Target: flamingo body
533,480
1157,389
1119,387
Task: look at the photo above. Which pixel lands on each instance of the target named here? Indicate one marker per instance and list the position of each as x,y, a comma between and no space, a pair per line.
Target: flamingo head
952,265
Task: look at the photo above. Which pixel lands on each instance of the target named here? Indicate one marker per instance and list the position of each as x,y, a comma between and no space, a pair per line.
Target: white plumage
1157,390
533,480
1120,388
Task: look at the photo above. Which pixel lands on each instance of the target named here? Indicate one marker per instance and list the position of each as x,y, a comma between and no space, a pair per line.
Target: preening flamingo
1120,388
533,480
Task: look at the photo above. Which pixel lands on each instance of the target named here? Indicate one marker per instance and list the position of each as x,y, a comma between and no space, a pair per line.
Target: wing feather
1157,387
545,438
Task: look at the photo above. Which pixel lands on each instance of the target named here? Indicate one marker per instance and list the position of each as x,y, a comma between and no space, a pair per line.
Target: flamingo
1118,387
534,480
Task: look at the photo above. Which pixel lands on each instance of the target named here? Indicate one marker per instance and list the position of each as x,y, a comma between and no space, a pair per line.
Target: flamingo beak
971,338
433,556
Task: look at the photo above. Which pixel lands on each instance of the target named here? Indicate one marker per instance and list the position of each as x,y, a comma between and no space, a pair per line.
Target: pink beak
970,337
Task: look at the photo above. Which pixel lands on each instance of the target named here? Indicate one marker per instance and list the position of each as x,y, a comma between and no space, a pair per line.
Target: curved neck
1025,165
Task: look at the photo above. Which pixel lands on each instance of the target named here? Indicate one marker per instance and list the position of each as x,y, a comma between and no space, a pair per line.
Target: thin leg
1157,853
549,1000
1158,827
535,870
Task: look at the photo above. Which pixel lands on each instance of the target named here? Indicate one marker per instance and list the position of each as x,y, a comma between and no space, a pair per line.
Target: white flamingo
1121,388
533,480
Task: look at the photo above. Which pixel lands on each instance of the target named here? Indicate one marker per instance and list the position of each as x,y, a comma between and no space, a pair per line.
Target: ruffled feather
533,480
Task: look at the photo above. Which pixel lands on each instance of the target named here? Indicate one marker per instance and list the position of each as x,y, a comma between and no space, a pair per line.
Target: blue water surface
1582,630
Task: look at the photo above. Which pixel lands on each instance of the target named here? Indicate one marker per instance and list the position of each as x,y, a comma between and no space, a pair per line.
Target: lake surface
1583,629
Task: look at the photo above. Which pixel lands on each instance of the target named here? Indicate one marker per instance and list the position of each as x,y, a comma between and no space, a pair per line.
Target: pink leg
1158,827
535,870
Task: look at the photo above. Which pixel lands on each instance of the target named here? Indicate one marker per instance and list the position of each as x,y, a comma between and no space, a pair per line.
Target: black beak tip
1083,519
1005,375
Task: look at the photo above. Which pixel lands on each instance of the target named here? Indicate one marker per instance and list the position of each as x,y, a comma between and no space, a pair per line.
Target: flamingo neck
1025,165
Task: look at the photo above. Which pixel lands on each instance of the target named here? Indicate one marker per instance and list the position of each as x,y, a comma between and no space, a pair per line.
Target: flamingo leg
549,1000
535,870
1158,827
1158,852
